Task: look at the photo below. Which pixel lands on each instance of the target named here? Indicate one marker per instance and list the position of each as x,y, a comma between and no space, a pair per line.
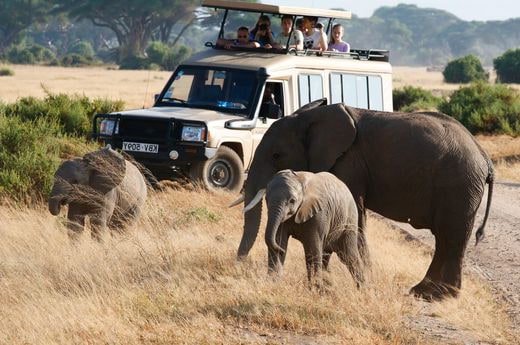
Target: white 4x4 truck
211,115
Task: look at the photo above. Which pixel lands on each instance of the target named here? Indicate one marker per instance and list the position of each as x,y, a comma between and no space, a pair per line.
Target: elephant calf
319,211
101,185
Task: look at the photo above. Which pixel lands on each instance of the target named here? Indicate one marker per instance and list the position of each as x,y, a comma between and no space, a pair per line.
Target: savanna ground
173,278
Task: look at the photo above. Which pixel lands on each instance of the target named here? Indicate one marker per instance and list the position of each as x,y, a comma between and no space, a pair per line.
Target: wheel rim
220,174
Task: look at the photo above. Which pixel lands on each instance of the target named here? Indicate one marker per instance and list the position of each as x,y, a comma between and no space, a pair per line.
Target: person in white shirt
312,37
281,39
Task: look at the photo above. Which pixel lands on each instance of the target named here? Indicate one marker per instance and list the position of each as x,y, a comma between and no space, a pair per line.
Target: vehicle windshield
221,89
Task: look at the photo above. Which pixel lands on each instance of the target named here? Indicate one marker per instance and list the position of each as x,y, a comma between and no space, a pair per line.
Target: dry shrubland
173,279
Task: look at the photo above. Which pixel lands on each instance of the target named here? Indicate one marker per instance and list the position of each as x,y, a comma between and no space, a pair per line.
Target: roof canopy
275,9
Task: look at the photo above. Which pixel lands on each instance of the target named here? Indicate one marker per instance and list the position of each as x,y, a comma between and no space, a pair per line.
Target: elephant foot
432,291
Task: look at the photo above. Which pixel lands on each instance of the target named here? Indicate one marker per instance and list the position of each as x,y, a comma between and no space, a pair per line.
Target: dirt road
496,258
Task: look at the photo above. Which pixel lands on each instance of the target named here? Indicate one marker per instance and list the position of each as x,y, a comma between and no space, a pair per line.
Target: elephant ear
314,104
312,202
107,169
328,132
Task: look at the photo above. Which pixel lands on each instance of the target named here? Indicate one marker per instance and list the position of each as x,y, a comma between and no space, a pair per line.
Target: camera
263,27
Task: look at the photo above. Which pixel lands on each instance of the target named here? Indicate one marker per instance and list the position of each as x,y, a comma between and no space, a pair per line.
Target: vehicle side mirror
270,110
156,97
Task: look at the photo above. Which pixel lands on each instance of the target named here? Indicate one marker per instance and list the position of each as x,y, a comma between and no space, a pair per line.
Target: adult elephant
102,185
422,168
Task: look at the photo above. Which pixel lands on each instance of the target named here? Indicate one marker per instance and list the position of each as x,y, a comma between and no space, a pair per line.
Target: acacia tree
132,21
18,15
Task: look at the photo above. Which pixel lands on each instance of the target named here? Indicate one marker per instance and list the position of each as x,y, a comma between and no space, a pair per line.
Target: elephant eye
276,156
292,201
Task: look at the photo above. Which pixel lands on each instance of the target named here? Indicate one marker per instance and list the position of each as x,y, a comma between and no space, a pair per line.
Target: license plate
140,147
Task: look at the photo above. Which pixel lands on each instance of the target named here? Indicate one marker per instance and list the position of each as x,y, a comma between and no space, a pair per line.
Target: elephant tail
489,180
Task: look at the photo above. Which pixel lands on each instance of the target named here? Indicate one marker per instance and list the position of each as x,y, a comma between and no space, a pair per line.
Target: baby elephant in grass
102,185
320,212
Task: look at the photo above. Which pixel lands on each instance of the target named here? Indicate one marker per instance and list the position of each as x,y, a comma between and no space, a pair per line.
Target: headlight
106,127
193,133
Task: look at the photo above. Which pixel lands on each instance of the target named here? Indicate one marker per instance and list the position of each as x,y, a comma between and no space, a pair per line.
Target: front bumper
166,133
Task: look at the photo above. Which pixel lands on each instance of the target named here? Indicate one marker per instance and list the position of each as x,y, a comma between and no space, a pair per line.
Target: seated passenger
242,40
313,38
296,41
262,32
336,41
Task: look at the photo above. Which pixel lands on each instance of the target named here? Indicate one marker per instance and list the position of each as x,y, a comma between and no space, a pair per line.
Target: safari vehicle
211,115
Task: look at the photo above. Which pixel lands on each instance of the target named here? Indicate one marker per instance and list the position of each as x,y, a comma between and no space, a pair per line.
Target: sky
482,10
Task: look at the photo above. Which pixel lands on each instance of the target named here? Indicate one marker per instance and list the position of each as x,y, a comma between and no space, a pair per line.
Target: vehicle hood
190,114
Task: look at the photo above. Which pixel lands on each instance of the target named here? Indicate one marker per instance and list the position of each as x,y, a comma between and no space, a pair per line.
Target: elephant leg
75,222
276,260
444,275
361,238
327,253
98,224
313,247
347,250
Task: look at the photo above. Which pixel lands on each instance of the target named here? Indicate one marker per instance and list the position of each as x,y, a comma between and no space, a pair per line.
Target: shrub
485,108
83,48
507,66
42,54
30,153
166,57
464,70
4,71
76,60
411,98
134,62
72,113
20,55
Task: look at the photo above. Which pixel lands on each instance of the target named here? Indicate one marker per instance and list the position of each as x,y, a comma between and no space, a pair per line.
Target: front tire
224,171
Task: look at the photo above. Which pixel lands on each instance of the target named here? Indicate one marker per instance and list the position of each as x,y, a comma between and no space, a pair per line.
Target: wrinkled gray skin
421,168
101,185
319,211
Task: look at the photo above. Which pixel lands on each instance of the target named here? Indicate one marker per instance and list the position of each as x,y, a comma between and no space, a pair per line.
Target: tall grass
173,279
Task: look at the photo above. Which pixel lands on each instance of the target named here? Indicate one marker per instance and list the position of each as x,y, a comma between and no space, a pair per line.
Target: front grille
144,128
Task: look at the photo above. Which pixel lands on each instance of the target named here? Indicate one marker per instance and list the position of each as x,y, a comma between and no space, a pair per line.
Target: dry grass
505,151
430,80
135,88
173,279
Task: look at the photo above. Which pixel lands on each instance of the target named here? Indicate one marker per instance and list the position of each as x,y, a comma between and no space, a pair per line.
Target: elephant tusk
237,201
258,197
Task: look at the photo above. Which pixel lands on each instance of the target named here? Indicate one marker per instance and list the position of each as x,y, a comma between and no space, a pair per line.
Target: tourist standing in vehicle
242,40
313,38
262,32
296,40
336,41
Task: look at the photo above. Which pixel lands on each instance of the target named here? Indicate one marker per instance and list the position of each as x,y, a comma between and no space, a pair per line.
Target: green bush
42,54
134,62
507,66
167,58
6,72
76,60
30,153
20,55
485,108
410,98
465,70
72,113
83,48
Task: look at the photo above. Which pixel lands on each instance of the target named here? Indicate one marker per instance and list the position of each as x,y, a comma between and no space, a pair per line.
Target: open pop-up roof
275,9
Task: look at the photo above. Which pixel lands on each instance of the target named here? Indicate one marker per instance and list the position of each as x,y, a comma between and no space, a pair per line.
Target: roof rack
359,54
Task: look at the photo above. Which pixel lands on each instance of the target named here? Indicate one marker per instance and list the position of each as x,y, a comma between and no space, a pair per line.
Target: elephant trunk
55,205
275,217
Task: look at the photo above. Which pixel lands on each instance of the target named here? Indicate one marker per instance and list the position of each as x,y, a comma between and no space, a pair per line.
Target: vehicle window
375,89
310,88
359,91
225,90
